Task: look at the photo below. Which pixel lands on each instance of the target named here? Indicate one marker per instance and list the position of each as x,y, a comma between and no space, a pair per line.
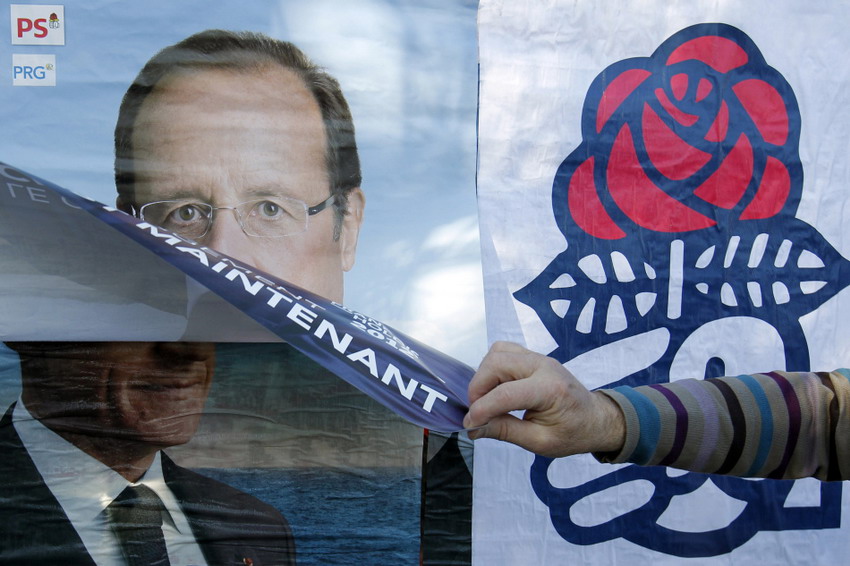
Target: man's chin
174,432
162,441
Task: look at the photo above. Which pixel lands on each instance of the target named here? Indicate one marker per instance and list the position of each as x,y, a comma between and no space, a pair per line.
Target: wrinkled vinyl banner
168,395
663,194
420,384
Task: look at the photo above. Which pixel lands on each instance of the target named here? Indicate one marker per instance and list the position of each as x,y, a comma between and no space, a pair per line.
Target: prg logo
38,24
33,70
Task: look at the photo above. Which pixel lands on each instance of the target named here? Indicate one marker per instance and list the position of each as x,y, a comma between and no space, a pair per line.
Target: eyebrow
175,195
265,192
243,196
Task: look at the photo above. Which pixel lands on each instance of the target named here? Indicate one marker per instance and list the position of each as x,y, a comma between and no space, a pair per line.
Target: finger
499,367
511,429
496,428
509,396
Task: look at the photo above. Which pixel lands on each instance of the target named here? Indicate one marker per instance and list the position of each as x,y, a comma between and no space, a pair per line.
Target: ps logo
38,24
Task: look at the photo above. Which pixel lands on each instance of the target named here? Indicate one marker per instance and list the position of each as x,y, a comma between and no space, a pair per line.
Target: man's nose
185,351
226,236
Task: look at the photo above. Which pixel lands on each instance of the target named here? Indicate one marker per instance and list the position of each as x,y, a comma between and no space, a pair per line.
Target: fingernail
476,432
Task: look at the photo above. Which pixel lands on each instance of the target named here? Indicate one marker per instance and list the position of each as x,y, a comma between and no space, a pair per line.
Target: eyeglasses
269,217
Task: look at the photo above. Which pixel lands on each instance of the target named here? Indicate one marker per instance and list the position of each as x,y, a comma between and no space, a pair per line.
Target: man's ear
351,227
122,205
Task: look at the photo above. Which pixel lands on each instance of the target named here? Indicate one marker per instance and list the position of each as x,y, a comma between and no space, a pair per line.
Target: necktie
136,519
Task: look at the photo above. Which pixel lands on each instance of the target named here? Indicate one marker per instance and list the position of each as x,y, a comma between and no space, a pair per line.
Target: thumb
504,427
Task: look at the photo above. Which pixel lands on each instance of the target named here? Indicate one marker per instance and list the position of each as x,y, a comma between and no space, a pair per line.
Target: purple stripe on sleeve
681,425
792,404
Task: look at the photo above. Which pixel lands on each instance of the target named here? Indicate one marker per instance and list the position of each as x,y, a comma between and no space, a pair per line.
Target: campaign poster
343,472
662,196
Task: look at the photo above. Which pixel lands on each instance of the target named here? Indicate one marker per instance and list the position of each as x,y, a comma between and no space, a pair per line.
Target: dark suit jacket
228,524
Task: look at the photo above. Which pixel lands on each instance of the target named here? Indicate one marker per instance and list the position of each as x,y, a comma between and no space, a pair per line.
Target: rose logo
679,213
700,134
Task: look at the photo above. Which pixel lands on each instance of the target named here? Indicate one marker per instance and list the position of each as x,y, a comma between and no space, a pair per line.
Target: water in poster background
355,525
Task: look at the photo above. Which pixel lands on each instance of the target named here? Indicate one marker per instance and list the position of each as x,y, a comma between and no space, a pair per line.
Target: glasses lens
273,217
187,218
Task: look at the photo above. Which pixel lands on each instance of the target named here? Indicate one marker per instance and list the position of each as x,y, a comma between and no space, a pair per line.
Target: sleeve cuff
632,430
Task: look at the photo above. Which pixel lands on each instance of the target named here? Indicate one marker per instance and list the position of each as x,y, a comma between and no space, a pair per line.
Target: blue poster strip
415,381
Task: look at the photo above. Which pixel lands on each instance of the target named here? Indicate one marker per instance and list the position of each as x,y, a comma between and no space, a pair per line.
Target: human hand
561,416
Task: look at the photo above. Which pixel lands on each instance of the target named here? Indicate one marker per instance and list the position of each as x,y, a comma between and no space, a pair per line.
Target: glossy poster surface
318,466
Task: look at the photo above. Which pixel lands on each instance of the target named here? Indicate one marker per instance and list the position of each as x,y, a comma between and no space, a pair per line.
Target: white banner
617,243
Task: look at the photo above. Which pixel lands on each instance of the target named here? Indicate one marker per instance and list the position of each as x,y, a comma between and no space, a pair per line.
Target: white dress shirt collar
84,487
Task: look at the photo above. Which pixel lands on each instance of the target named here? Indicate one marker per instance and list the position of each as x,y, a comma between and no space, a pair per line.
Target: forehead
232,88
248,128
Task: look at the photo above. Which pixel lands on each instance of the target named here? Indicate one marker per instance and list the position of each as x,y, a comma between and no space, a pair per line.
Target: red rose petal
616,92
703,89
670,154
586,208
682,117
772,192
679,85
719,53
765,105
717,131
728,184
640,199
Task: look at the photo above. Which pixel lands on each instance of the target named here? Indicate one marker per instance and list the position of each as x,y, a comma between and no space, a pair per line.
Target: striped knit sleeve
773,425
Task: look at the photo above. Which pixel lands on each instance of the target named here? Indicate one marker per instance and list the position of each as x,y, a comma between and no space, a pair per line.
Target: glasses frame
311,211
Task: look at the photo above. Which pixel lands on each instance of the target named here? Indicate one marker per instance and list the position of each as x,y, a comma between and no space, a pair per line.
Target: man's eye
186,213
268,209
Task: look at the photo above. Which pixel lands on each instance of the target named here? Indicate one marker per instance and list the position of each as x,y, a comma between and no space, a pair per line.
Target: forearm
776,425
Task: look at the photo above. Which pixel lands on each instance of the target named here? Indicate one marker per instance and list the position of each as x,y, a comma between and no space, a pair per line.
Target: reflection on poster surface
302,442
200,158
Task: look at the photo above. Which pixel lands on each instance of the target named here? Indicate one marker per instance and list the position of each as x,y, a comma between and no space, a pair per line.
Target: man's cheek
286,261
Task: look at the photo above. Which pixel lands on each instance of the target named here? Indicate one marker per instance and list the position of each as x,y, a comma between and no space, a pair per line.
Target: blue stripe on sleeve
650,424
766,419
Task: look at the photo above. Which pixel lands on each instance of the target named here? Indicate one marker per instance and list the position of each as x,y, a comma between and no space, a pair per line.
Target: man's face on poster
139,392
252,145
249,144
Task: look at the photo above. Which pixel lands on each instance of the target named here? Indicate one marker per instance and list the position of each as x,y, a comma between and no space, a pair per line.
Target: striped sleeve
771,425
